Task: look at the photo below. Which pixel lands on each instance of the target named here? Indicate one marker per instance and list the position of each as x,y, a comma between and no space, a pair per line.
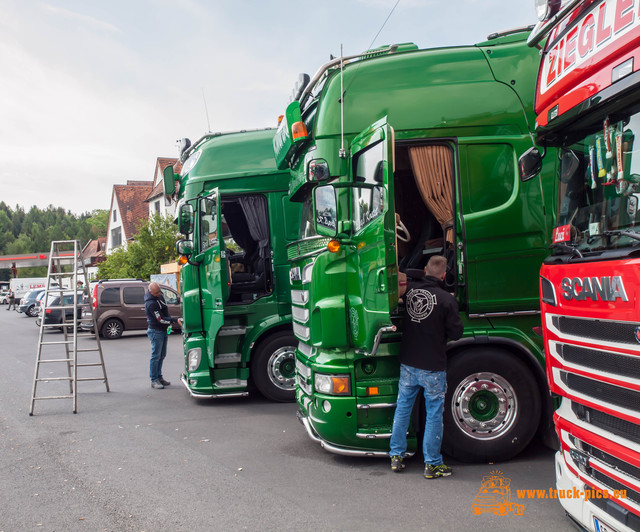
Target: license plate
602,527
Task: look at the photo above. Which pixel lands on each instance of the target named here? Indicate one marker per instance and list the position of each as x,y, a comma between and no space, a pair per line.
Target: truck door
372,274
213,267
505,237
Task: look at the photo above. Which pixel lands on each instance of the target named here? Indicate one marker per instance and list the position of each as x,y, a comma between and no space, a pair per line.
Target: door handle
381,280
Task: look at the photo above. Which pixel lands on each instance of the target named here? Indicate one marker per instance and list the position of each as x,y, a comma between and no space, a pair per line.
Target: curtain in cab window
432,168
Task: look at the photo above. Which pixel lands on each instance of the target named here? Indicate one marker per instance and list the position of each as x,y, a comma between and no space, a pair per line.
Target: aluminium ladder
66,269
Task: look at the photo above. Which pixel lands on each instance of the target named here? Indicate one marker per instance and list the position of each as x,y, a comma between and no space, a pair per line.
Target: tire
112,329
273,367
32,311
480,382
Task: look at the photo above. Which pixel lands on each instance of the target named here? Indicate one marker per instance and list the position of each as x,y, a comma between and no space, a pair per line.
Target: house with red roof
127,212
93,254
156,199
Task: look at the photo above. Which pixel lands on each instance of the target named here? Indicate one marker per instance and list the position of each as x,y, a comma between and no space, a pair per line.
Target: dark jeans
158,352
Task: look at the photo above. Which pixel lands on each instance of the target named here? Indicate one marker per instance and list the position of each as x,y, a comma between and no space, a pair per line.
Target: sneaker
396,464
163,382
435,471
157,385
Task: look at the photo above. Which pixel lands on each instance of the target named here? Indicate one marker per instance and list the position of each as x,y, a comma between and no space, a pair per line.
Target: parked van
119,306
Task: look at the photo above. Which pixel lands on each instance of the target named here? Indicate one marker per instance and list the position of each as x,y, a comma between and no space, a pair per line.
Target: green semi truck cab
236,221
396,155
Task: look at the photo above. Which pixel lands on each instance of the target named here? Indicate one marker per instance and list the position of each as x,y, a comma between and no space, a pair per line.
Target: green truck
233,212
398,154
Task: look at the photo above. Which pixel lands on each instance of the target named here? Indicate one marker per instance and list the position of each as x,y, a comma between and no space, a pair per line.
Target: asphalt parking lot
141,459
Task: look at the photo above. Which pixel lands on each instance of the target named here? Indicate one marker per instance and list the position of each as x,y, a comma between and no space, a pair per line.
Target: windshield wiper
575,252
619,232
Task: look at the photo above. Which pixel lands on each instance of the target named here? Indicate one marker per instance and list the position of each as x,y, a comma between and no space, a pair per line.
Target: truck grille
600,391
304,247
607,331
619,427
606,458
612,484
626,365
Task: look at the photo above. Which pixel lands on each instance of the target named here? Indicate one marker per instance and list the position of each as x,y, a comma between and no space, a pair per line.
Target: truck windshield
599,189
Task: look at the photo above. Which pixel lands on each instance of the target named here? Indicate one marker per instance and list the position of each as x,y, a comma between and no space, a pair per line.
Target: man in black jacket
158,321
432,317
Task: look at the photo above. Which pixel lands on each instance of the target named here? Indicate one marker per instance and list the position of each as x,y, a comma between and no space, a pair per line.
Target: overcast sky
92,92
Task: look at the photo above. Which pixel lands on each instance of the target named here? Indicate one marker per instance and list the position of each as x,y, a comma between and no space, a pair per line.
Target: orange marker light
341,385
280,119
183,260
333,246
373,390
299,131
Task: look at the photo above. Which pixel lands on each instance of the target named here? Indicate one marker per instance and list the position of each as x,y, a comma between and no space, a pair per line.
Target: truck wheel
492,406
112,329
32,311
273,367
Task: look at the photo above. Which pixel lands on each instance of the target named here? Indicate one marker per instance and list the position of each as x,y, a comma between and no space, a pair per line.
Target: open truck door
373,287
214,275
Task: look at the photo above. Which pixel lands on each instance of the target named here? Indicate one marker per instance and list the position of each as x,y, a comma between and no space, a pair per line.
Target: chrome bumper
183,379
335,449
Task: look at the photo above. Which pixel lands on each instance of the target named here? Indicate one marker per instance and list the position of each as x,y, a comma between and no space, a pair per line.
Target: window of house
115,216
157,206
116,237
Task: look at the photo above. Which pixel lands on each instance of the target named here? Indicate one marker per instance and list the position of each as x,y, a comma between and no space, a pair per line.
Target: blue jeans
434,384
158,352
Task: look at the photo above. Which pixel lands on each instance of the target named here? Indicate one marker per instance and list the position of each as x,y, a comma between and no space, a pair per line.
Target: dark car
28,304
53,316
119,306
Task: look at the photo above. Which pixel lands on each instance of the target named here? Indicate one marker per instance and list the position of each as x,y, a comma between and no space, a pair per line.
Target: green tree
153,246
116,266
98,221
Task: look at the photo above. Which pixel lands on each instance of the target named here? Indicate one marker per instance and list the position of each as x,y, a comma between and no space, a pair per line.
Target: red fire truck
588,105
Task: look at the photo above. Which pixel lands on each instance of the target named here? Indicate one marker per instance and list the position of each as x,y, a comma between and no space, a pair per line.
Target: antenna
206,110
342,153
383,24
391,50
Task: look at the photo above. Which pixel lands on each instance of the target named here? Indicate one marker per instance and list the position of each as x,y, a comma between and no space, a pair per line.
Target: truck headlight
193,358
333,384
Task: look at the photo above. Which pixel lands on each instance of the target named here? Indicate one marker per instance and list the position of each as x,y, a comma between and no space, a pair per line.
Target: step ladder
63,293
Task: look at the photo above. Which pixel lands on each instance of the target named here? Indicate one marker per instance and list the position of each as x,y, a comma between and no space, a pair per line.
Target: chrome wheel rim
282,368
484,405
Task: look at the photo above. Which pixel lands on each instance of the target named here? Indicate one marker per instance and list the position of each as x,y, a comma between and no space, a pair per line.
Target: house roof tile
131,201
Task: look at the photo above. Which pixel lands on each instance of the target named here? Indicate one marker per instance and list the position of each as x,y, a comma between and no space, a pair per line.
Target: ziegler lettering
600,27
594,288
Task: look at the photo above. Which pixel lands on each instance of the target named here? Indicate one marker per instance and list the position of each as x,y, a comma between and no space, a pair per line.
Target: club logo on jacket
420,304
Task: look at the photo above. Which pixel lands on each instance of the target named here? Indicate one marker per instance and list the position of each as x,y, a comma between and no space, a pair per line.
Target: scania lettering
594,288
588,107
235,279
399,155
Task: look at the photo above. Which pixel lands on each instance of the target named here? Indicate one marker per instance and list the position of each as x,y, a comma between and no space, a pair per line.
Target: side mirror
326,210
169,181
184,247
530,164
185,219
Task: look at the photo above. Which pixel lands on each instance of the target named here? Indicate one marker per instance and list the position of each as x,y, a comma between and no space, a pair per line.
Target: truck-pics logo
494,496
594,288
